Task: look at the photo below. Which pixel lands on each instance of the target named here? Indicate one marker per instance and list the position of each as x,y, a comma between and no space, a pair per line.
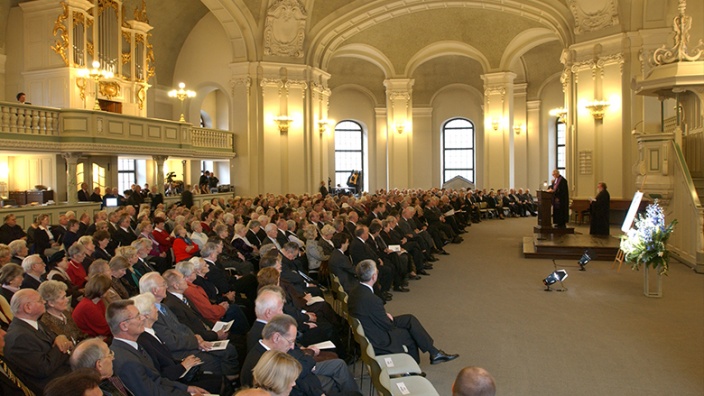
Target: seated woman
11,276
161,236
89,314
314,252
43,238
57,317
118,269
276,372
58,266
184,247
133,272
243,245
101,240
197,234
75,270
223,311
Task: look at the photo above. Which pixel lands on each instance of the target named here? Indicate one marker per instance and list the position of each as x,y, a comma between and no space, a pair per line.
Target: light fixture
283,122
323,125
495,123
96,74
597,107
555,276
517,129
559,112
400,128
181,94
585,259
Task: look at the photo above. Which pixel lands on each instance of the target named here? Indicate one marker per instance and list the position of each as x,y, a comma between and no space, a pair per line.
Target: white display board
635,203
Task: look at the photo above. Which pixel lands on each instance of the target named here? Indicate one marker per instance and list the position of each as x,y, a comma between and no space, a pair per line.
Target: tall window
126,174
349,151
458,149
561,138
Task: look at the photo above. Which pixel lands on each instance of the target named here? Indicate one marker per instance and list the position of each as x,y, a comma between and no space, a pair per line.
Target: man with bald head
474,381
37,354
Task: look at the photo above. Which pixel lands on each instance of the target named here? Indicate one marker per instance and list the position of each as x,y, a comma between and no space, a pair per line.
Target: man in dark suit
83,193
180,340
181,307
132,364
10,231
360,250
10,384
352,220
37,354
340,264
386,333
123,234
95,196
560,200
34,272
599,207
95,354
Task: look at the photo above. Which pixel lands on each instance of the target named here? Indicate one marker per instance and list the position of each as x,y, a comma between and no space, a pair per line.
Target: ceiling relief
284,29
593,15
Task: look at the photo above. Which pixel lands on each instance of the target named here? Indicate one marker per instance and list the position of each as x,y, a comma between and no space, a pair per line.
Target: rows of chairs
394,374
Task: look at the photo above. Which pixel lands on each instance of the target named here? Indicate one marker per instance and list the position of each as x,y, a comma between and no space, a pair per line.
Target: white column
71,183
159,177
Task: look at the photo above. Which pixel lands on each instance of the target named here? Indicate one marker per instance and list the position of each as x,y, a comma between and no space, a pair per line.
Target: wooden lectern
545,216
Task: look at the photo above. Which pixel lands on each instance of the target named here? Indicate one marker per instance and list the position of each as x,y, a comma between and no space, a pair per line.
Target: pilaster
497,169
399,124
159,177
71,170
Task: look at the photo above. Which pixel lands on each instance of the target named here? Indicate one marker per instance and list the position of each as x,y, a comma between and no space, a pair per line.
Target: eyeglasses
140,316
290,342
110,355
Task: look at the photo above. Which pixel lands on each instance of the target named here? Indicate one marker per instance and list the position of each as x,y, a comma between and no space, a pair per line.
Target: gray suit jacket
137,372
341,266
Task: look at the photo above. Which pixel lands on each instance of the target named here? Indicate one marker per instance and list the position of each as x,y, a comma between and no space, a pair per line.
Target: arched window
560,139
458,149
349,151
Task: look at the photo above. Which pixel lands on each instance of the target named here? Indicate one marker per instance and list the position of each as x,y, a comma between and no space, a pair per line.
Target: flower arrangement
646,243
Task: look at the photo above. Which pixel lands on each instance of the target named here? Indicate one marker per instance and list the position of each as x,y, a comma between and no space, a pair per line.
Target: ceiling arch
524,42
444,48
331,35
238,23
367,53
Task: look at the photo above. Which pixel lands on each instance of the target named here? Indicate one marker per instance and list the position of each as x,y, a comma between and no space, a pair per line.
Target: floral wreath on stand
646,242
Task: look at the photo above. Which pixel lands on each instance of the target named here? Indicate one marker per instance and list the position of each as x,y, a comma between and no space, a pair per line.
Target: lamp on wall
323,125
495,123
517,129
96,74
634,131
559,112
597,108
283,122
181,94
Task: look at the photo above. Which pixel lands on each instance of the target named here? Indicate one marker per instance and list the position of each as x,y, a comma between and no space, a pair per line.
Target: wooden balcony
34,128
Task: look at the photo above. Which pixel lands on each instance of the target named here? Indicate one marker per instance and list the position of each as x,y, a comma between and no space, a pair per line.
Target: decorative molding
61,45
681,25
110,89
591,21
284,29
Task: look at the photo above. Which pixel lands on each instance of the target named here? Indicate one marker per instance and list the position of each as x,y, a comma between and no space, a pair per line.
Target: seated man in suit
340,264
10,231
37,354
180,339
132,364
386,333
10,384
326,377
34,272
360,250
95,354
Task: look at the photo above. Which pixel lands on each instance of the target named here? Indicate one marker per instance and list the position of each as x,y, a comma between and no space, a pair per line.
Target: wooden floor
570,246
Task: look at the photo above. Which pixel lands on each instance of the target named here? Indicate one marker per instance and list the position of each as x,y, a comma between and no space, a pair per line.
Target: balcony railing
27,127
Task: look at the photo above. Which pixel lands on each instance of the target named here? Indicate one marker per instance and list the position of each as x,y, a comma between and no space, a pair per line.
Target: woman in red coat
89,314
184,247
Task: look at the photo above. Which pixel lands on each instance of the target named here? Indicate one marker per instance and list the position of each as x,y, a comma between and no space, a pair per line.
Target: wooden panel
154,131
137,130
171,133
75,124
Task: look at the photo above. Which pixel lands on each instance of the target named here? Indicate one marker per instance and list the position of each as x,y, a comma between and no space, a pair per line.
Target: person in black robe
599,208
560,200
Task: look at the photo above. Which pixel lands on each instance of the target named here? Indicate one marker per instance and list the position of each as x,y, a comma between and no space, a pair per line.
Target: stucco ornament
285,29
593,15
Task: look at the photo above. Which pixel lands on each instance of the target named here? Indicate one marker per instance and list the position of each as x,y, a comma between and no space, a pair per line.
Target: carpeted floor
601,337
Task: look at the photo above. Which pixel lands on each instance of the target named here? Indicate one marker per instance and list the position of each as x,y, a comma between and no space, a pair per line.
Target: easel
618,259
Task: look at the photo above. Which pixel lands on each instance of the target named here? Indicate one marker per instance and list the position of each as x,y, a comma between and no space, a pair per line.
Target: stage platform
570,246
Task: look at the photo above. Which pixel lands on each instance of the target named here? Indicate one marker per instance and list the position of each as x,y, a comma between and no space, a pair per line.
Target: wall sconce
597,107
401,127
517,129
283,122
96,74
495,124
323,125
181,94
634,131
560,113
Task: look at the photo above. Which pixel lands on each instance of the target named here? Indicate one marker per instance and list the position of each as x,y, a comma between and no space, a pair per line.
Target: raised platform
570,246
547,231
